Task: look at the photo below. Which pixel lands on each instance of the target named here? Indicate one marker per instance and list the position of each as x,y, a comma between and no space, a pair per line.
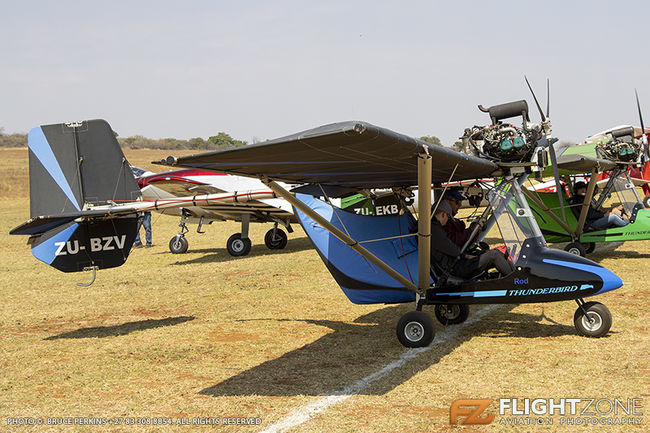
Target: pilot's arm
440,242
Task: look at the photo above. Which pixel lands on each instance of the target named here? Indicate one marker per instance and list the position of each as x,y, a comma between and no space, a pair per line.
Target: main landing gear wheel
238,246
415,329
178,244
595,323
275,241
591,246
646,201
451,314
575,248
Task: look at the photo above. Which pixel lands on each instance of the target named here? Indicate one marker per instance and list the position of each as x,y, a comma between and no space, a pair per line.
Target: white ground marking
303,414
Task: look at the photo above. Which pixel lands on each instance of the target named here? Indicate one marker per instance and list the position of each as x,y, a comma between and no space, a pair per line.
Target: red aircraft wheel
415,329
595,323
646,201
275,241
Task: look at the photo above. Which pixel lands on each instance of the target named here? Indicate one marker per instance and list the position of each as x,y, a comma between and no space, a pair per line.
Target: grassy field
206,335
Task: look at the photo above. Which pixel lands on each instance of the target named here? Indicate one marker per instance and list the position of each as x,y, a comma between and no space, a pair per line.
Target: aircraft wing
348,155
576,163
182,188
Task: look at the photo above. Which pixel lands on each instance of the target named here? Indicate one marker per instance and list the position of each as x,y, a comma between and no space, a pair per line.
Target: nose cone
611,281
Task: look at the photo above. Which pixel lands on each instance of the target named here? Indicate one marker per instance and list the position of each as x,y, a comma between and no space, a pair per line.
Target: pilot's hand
469,256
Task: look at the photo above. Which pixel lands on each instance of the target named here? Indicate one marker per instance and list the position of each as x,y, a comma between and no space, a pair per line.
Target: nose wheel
178,244
592,319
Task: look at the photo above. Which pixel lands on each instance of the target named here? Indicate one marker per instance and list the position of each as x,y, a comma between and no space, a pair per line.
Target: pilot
597,218
447,254
455,228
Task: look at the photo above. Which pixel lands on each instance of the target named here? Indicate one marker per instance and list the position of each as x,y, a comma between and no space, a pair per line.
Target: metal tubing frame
586,203
424,221
291,198
531,196
608,187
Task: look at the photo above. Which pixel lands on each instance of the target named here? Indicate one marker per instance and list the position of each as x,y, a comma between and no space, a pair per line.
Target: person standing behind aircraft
144,221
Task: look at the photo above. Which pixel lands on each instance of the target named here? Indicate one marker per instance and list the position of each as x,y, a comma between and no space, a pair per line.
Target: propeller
547,135
644,137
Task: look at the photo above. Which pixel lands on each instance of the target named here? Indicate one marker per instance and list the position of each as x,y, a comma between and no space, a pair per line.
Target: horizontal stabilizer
41,224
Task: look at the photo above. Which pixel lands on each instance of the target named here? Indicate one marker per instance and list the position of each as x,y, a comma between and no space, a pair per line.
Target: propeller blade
643,134
539,108
556,175
548,99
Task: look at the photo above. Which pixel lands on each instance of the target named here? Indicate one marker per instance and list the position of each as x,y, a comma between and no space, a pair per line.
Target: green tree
458,146
225,140
431,139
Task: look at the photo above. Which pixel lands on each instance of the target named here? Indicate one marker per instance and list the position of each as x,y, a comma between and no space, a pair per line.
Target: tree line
219,141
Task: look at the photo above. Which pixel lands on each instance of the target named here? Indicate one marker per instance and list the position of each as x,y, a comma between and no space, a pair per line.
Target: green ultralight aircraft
558,225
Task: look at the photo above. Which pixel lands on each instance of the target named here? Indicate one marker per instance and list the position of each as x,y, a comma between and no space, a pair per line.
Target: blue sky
260,70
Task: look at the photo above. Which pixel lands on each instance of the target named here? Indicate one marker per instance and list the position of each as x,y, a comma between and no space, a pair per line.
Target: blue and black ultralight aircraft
79,222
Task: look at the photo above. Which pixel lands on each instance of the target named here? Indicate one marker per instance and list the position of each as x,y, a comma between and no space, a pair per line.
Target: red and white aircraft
184,183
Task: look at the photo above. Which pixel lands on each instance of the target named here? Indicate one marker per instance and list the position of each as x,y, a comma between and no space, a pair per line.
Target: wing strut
288,196
424,221
587,202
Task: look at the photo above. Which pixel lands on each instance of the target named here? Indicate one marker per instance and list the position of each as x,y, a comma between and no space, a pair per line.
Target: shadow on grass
614,254
355,350
123,329
217,255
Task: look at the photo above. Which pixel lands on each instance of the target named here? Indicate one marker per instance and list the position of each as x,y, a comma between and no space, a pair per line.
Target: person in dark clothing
597,218
455,228
447,255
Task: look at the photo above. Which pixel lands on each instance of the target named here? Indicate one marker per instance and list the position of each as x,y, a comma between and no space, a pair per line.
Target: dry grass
206,335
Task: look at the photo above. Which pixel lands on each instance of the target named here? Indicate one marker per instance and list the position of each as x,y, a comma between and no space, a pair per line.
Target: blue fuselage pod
361,281
541,275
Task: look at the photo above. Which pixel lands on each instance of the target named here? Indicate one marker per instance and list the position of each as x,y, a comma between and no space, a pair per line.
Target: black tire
646,201
178,245
415,329
237,246
590,247
277,242
602,320
575,248
452,314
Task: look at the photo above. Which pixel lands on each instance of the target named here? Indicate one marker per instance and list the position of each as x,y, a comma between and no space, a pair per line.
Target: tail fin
73,166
